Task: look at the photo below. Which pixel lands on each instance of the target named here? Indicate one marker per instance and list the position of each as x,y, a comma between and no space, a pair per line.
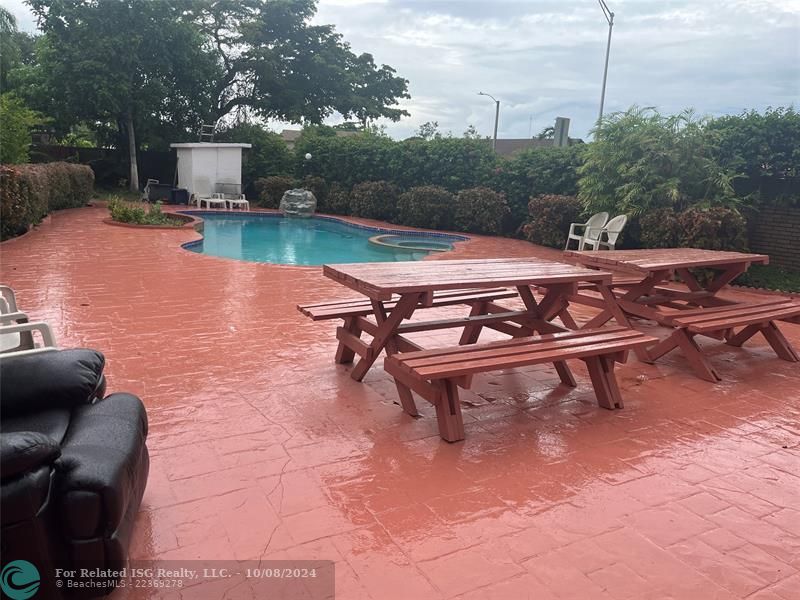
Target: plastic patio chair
592,227
215,199
16,331
608,236
238,200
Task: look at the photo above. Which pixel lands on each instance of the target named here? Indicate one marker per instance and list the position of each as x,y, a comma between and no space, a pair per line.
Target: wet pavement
263,449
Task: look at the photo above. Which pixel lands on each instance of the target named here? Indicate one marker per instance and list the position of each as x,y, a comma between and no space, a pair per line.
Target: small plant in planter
139,213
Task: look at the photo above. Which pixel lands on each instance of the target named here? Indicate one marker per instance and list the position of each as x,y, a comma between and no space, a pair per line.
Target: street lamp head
308,155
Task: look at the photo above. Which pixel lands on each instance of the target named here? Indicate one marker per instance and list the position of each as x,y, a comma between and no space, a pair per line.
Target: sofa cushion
98,472
25,451
51,423
61,379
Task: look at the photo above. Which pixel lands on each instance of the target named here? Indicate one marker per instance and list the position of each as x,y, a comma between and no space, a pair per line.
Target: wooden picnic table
397,289
697,310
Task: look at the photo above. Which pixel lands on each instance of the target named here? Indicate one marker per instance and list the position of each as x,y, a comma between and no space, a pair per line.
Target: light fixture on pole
496,117
610,18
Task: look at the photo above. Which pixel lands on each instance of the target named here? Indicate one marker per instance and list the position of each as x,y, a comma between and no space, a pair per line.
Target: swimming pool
272,238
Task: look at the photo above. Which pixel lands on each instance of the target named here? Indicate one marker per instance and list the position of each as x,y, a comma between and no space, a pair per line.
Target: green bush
29,192
641,160
139,213
15,132
659,229
338,200
268,155
319,187
453,163
480,210
715,228
429,206
374,200
535,172
549,219
270,190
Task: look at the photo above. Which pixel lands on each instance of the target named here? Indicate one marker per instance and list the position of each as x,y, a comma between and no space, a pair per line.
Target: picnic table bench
696,311
436,374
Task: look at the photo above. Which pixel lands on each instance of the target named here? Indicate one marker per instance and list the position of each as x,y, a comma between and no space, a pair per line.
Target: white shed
202,165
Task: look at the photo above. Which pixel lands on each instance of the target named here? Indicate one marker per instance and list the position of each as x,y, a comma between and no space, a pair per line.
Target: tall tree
128,62
275,64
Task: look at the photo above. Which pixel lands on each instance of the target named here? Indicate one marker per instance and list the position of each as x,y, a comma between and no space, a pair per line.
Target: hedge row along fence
29,192
473,210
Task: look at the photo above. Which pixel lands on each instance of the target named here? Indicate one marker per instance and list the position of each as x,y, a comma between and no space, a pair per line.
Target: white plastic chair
592,227
215,199
16,332
607,237
239,200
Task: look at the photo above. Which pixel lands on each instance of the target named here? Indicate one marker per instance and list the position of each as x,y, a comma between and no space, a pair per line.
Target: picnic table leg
448,412
406,398
601,372
620,317
528,299
695,356
387,328
744,335
472,332
567,319
344,354
779,343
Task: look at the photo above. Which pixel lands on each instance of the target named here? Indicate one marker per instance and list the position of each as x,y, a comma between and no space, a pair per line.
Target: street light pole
610,18
496,118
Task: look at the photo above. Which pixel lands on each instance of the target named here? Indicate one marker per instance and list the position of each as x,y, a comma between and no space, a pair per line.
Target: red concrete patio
263,448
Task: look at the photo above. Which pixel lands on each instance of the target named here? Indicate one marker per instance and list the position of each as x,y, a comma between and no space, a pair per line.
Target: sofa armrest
55,379
24,451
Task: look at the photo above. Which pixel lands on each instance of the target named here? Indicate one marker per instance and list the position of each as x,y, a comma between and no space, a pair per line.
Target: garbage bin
179,196
159,191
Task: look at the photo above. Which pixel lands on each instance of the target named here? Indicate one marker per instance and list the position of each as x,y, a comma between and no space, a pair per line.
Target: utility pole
610,18
496,118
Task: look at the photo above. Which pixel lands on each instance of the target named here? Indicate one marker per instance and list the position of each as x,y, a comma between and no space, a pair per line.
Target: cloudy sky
544,58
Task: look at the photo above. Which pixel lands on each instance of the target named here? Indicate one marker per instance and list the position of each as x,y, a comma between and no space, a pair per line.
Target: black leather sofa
74,465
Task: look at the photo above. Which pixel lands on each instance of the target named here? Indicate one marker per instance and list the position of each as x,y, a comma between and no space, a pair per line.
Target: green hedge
712,228
270,190
29,192
480,210
428,206
550,216
374,200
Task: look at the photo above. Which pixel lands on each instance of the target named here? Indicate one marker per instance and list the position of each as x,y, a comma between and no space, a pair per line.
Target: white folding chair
607,237
592,227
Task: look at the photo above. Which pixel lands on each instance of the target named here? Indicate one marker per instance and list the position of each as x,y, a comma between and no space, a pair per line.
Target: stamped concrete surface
263,448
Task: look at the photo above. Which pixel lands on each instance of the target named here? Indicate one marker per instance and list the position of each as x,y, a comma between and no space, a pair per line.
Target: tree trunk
134,176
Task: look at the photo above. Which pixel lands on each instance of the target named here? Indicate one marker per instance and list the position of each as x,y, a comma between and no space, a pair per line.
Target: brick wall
775,230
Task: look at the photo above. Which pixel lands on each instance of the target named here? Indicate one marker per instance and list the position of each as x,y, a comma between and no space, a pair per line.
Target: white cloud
544,58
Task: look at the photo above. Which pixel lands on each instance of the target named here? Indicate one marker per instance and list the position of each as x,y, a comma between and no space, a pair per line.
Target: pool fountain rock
298,203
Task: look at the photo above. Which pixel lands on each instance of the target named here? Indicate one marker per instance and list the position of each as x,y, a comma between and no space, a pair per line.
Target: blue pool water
288,241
